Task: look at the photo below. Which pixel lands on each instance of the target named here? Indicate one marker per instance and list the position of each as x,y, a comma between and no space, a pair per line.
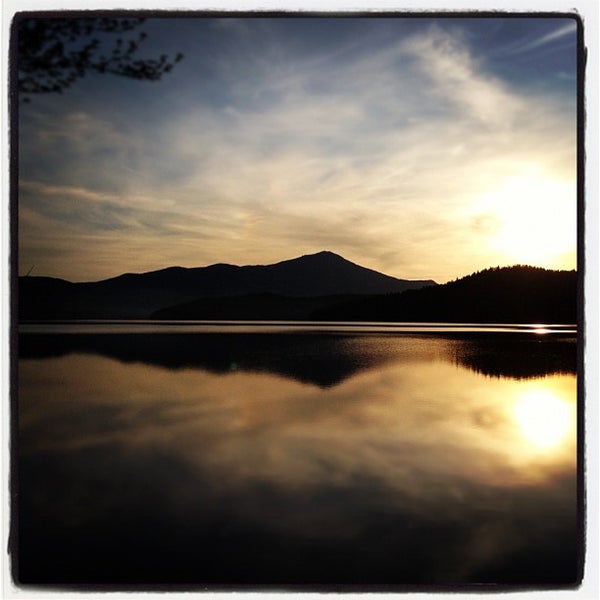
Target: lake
327,456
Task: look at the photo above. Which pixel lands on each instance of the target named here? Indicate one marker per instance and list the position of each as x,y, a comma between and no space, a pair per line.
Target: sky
424,148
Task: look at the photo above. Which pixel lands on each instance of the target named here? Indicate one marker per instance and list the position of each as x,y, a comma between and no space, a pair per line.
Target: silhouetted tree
53,52
518,294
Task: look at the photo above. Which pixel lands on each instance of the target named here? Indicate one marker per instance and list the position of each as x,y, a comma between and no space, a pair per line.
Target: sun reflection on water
376,442
544,418
541,330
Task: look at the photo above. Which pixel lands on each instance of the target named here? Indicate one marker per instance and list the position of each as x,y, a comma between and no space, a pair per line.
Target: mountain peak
324,254
324,258
137,296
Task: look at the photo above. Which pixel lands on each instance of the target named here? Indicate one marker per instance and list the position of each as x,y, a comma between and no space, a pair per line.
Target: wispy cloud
455,76
567,29
379,155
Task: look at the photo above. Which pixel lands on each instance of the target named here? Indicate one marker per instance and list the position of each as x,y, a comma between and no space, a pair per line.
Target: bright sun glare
544,419
535,220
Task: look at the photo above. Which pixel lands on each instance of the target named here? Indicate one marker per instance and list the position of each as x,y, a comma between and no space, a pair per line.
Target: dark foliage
53,53
261,307
518,294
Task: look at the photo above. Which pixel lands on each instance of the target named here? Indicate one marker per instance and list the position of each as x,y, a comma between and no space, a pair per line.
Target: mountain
139,295
252,307
518,294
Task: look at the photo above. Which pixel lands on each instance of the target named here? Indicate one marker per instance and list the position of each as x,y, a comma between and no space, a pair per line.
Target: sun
533,220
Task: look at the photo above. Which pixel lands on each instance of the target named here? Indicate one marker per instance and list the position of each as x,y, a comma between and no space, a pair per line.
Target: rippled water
311,456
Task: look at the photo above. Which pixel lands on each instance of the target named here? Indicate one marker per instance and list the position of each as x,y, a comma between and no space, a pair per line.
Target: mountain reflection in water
230,459
318,358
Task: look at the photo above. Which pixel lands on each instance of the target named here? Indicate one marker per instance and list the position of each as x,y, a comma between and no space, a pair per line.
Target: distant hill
518,294
139,295
253,307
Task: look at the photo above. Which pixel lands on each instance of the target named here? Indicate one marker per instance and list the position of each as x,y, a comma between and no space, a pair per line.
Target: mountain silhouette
139,295
252,307
518,294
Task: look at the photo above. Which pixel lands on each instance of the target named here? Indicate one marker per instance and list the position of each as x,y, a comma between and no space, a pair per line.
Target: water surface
241,455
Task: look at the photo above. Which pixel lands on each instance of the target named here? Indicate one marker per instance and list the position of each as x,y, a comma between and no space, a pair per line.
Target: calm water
237,454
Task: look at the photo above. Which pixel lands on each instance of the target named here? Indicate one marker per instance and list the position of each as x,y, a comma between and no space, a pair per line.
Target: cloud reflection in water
417,470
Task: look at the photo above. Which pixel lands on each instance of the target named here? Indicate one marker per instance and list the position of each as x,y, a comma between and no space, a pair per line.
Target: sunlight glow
544,419
541,330
535,218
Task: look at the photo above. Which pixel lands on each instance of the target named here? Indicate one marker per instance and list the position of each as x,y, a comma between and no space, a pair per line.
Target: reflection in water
544,418
319,358
411,470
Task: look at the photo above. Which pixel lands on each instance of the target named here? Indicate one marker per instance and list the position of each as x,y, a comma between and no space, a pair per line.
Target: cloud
376,154
383,460
568,29
455,75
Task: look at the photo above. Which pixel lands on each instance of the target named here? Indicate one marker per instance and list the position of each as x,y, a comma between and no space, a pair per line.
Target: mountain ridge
138,295
324,255
321,286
